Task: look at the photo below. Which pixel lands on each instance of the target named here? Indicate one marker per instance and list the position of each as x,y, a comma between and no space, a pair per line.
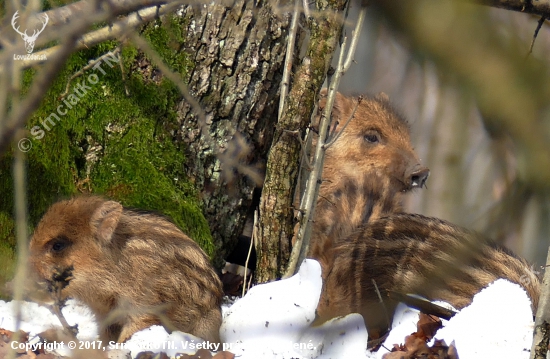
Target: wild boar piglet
413,254
366,171
133,269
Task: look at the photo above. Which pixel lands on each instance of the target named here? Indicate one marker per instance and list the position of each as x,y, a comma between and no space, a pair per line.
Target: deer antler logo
29,40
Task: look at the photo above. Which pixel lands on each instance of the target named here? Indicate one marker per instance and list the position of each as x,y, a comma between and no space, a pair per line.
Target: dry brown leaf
428,325
416,346
232,284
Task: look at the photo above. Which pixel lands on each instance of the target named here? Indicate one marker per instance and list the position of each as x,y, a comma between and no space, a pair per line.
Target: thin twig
289,57
124,77
328,200
382,303
65,14
5,81
355,37
301,246
337,135
51,69
305,163
303,145
306,9
539,25
423,305
198,111
376,342
178,81
108,32
252,243
91,64
20,196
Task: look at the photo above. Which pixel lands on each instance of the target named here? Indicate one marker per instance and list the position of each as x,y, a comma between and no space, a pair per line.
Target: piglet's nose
419,177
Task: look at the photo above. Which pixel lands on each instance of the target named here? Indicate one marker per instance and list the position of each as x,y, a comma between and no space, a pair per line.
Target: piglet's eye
59,244
372,137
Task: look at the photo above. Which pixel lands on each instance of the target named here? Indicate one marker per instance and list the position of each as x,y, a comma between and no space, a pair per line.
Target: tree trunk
276,225
238,54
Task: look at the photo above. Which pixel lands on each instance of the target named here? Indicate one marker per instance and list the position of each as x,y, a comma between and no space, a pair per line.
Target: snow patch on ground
36,319
156,340
343,337
404,323
498,324
271,318
273,321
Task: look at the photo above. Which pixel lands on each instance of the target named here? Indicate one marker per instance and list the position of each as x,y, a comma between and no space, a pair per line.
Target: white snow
498,324
404,323
271,318
273,321
156,340
343,337
36,319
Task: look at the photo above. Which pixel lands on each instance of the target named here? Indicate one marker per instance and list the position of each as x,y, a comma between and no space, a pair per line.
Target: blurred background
478,109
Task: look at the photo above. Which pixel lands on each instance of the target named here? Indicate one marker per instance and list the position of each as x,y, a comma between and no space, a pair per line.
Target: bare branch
306,9
539,25
91,64
44,80
301,246
381,301
64,15
351,116
110,32
252,243
20,194
423,305
288,58
539,7
276,210
123,76
226,158
172,76
355,37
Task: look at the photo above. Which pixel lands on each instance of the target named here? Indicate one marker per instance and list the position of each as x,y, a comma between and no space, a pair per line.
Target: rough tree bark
238,53
276,225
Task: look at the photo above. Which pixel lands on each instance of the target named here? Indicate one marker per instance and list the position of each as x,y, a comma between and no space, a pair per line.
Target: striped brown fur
359,234
366,171
409,253
135,263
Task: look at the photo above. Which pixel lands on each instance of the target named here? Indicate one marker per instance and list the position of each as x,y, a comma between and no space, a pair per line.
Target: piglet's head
72,239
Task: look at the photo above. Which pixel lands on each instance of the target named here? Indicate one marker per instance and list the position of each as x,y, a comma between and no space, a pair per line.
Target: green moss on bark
110,143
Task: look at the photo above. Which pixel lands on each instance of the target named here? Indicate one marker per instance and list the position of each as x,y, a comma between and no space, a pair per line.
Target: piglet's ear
339,101
342,104
105,220
339,106
382,96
